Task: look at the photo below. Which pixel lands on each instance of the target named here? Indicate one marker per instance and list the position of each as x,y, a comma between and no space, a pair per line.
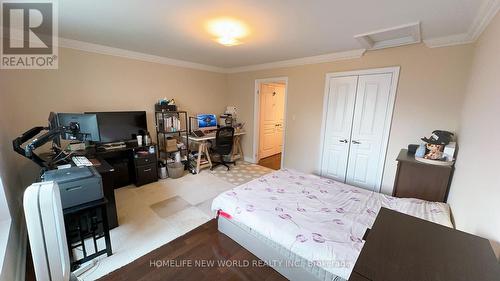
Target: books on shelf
168,123
172,135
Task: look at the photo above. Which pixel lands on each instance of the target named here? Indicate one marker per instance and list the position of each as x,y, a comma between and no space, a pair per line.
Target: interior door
372,103
267,134
339,116
279,100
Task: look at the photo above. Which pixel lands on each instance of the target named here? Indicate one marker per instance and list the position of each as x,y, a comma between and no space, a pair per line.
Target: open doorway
270,122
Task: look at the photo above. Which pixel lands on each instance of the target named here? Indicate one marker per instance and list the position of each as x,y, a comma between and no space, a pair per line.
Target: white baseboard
249,159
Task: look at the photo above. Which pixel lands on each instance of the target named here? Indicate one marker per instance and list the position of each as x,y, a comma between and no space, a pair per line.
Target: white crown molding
486,13
101,49
445,41
105,50
353,54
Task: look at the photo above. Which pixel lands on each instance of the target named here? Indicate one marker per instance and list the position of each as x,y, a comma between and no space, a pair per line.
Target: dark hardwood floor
178,260
271,162
30,269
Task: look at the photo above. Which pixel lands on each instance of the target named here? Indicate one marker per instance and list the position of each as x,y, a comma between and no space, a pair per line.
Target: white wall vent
391,37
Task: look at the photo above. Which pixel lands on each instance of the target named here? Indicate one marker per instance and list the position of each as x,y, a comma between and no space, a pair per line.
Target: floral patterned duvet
321,220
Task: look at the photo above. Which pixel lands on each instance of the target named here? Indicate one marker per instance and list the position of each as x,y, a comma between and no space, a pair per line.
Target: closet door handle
355,142
344,141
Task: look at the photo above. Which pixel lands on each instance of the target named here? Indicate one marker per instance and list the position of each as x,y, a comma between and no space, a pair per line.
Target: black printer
78,185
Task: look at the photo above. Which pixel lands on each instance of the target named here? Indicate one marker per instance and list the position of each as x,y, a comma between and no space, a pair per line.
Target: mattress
285,259
316,219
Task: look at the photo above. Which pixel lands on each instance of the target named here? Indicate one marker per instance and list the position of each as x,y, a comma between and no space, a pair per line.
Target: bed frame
266,253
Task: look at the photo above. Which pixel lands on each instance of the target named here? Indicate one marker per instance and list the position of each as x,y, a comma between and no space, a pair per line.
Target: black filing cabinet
145,165
132,164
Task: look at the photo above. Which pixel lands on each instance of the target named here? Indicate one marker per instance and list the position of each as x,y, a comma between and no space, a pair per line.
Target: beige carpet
241,173
155,214
170,206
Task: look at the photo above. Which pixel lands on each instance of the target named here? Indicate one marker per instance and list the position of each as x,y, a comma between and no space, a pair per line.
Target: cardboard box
171,145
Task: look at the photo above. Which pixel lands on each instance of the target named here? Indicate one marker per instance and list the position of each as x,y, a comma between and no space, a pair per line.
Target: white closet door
367,137
339,117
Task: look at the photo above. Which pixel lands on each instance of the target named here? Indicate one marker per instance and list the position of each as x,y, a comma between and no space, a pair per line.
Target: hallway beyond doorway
271,162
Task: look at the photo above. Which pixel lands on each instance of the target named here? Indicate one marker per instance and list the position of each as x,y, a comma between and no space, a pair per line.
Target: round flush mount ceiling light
227,31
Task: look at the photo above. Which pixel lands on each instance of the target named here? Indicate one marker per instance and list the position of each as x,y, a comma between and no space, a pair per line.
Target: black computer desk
121,167
132,164
107,173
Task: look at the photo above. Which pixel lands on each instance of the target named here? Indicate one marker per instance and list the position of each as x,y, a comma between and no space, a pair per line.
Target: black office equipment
117,126
87,124
107,175
127,169
77,185
224,139
71,130
117,167
146,165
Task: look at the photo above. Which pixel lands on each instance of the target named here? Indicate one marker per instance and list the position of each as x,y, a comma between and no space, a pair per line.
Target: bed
308,227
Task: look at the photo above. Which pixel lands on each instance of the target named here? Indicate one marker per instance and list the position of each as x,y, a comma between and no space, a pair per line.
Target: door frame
394,70
256,116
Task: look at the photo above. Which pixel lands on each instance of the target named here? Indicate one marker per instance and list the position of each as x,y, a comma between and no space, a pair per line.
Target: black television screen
120,125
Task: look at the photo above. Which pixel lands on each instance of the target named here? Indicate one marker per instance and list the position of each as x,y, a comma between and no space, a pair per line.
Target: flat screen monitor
53,124
87,123
207,121
116,126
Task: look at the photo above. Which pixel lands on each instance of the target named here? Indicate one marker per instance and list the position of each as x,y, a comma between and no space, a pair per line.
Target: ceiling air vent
391,37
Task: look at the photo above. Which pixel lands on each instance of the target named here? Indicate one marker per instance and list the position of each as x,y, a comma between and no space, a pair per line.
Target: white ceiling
280,29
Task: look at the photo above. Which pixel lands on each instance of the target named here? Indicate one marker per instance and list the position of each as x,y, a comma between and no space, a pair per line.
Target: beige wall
94,82
431,90
430,93
13,190
475,191
86,82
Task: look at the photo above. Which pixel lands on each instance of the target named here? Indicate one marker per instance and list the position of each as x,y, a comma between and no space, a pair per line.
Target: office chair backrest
224,140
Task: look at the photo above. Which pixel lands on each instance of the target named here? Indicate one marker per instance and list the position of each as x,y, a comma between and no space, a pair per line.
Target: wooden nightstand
400,247
415,179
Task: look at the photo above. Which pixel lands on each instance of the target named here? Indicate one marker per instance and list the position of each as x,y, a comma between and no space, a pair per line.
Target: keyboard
81,161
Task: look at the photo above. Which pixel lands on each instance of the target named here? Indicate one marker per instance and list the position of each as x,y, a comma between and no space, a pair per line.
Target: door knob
344,141
355,142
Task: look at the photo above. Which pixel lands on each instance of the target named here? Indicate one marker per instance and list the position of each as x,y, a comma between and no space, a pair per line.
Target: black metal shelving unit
167,127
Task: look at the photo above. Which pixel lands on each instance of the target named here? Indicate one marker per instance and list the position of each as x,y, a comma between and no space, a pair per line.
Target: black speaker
412,148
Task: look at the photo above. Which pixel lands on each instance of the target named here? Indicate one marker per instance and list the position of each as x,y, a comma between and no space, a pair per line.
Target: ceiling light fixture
228,31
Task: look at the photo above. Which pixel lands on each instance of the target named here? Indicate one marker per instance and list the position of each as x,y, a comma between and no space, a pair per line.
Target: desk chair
224,139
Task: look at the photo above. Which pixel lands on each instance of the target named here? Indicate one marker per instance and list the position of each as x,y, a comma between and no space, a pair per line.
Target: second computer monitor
207,122
87,124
